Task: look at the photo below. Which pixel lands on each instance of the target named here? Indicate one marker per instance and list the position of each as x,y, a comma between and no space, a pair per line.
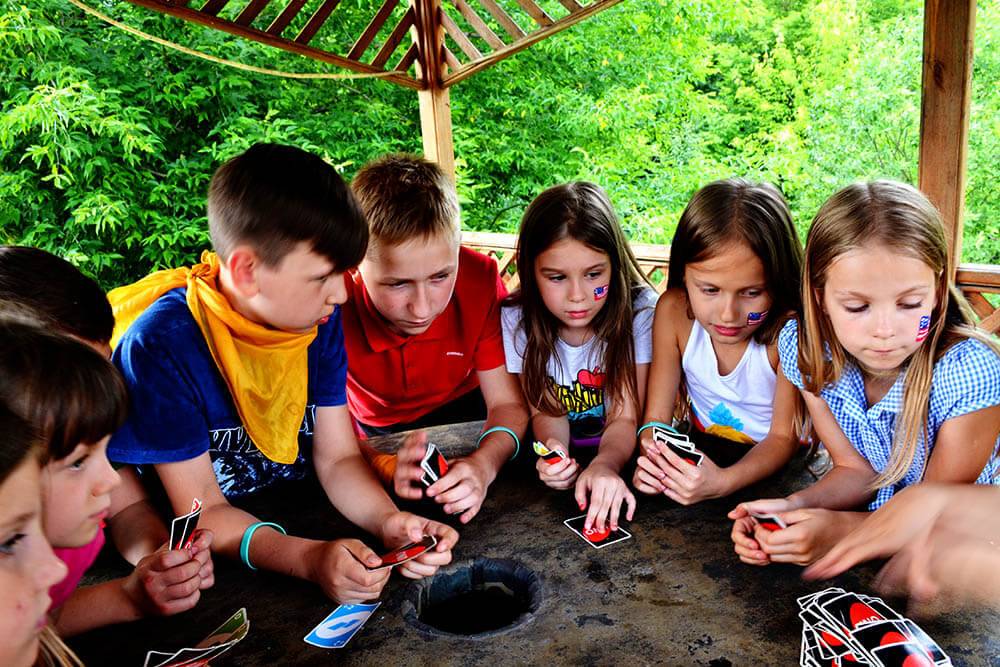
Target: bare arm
136,529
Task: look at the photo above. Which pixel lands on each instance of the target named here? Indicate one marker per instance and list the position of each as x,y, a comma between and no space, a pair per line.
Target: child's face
28,568
77,493
299,292
875,298
728,293
573,280
411,283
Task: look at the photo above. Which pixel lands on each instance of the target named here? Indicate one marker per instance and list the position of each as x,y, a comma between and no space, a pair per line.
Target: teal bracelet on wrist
652,424
502,429
248,535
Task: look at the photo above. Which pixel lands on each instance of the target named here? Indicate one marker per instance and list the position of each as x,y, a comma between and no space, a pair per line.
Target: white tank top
735,406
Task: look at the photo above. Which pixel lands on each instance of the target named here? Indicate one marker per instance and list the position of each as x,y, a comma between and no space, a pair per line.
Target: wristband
652,424
248,535
502,429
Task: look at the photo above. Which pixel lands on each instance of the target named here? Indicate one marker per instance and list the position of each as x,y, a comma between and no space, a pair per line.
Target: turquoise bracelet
652,424
248,535
502,429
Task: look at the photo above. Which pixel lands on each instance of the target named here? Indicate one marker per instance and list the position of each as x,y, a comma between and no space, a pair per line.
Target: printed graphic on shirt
724,424
242,469
584,398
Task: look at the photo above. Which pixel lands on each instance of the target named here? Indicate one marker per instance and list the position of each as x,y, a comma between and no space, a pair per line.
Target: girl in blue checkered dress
899,384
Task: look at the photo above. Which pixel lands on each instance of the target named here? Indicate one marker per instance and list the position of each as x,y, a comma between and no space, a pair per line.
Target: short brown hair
274,197
406,197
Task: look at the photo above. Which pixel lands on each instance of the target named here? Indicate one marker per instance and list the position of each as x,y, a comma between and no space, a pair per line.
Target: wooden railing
975,280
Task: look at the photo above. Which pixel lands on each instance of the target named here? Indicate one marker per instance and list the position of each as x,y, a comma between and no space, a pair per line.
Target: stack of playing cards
679,444
434,465
550,456
182,528
850,629
219,641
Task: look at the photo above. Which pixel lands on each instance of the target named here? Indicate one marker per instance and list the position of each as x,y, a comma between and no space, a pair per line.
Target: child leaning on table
735,266
577,333
75,398
236,373
900,385
57,296
422,330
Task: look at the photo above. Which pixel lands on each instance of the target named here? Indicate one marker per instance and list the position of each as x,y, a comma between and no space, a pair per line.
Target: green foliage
107,142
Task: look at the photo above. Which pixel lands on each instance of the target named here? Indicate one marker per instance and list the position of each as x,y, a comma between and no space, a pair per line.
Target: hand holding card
182,528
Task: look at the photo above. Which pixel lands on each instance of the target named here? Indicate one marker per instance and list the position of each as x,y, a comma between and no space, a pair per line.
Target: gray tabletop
675,594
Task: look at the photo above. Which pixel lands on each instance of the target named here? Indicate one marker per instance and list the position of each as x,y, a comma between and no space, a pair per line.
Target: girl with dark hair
733,280
577,332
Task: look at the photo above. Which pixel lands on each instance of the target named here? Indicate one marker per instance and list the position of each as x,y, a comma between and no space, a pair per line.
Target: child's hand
201,548
463,488
561,474
688,484
166,582
406,479
648,477
810,534
337,568
606,491
744,533
403,527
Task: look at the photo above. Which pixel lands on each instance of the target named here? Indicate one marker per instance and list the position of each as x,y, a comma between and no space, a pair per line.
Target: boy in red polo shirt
422,331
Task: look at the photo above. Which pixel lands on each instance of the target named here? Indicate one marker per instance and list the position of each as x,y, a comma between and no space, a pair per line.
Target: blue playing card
343,622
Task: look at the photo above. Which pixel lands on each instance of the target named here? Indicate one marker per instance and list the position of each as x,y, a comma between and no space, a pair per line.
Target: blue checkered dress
966,379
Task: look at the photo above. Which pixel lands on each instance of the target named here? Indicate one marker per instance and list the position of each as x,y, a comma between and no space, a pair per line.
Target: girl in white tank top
734,276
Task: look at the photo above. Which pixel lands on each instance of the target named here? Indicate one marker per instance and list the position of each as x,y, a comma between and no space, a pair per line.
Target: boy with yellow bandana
236,371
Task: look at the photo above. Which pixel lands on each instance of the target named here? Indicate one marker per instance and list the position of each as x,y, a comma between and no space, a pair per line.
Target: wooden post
944,114
435,100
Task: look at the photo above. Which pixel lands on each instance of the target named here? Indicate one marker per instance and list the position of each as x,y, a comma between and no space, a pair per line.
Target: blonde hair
52,652
898,217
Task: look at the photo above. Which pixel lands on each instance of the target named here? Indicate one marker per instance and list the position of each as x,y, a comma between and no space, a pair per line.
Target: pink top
77,559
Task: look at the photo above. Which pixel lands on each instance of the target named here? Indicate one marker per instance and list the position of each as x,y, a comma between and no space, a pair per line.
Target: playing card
550,456
850,612
595,538
220,640
902,655
336,630
434,464
405,553
767,521
182,528
692,456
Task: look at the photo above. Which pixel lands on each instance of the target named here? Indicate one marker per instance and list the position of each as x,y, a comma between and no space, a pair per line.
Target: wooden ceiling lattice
477,33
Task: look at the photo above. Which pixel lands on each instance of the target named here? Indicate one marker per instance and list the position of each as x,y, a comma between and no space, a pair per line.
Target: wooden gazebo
430,45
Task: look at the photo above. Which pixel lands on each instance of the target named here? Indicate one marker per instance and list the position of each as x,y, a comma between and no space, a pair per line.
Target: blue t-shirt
180,406
965,379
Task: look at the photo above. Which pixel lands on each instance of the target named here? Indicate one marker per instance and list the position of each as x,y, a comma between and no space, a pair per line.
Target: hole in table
474,599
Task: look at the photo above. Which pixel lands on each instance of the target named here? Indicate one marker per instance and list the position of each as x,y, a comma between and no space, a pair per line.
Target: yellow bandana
266,369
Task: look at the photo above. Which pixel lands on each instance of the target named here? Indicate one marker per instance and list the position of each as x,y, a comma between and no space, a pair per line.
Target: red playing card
406,552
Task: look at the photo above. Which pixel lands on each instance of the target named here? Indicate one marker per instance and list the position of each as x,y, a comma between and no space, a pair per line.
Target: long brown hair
583,212
898,217
756,214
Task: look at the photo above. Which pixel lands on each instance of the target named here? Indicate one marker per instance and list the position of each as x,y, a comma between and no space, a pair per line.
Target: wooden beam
944,110
381,16
271,40
250,12
435,100
394,40
536,13
501,17
316,21
477,23
531,38
213,7
463,41
286,16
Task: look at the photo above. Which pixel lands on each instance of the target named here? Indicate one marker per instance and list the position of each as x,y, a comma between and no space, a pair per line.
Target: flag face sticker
923,328
755,318
600,292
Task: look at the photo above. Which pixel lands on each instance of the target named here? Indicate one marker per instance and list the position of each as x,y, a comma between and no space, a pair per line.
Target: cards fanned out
218,642
842,628
679,444
182,528
434,465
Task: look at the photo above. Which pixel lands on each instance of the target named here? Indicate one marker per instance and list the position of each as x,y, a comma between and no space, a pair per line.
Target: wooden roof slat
478,24
501,17
366,38
463,41
536,13
317,20
571,5
213,7
408,59
394,40
251,11
286,16
450,59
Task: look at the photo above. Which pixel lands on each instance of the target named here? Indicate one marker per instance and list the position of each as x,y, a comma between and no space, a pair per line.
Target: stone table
675,594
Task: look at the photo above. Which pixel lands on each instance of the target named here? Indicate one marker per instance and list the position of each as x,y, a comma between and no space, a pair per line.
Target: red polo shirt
394,379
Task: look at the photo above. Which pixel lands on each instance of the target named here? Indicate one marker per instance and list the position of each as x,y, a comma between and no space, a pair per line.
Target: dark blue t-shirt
180,406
